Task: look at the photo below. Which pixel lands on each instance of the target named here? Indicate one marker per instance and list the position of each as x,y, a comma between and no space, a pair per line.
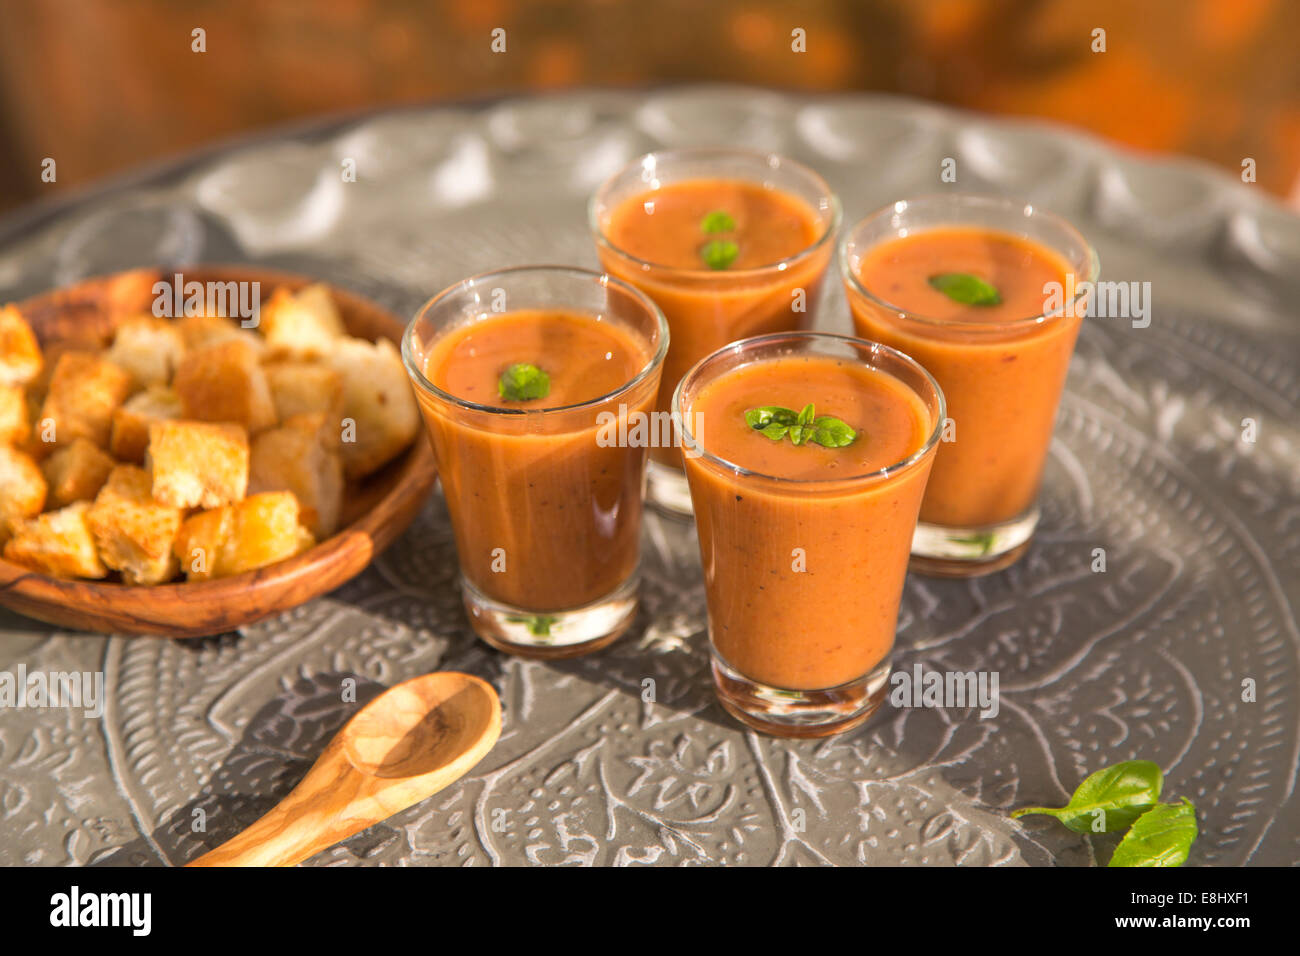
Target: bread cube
149,348
22,489
306,388
84,391
198,464
379,413
76,472
14,415
199,331
303,324
294,458
133,532
20,354
130,435
258,531
58,543
224,383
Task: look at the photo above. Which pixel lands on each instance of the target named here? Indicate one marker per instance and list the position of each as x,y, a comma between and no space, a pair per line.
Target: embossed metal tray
1201,530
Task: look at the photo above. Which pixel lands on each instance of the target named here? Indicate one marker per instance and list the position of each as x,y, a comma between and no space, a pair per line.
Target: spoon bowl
408,743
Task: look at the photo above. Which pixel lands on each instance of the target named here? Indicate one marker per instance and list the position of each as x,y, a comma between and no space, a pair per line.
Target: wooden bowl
374,515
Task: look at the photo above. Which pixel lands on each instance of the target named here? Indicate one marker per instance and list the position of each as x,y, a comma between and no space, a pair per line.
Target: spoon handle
326,807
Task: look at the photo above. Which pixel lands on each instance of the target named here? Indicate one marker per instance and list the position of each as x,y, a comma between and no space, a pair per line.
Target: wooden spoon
407,744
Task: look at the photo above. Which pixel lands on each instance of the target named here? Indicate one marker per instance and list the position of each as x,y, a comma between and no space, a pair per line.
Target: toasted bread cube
14,415
149,348
304,324
133,532
379,413
58,543
258,531
20,354
200,331
225,383
22,489
294,458
198,464
83,393
130,436
76,472
306,388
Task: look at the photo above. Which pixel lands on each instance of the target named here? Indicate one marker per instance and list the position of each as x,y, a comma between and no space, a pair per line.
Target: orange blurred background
102,86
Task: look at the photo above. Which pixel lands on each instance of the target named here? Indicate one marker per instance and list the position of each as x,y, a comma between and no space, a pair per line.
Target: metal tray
1201,530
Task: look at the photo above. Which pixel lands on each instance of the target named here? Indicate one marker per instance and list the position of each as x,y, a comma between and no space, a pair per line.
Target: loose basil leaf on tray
1161,837
1109,799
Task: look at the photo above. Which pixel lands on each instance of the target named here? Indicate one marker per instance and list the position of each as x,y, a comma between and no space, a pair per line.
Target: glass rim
704,152
655,361
740,345
980,200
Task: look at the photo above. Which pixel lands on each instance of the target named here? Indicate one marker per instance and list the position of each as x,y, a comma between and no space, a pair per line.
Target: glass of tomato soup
730,244
807,456
532,382
988,294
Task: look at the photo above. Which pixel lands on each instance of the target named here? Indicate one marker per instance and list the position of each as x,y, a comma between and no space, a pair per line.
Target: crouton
303,324
225,383
133,532
199,331
379,413
257,531
22,489
130,434
83,393
76,472
58,543
20,354
149,348
304,388
294,458
198,464
14,415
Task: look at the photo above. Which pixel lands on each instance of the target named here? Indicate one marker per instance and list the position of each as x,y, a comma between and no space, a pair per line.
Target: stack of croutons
193,446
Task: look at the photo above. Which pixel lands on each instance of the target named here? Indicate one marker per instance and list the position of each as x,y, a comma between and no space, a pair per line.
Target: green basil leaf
965,288
523,382
1161,837
717,221
719,253
802,427
765,415
983,540
832,433
1110,799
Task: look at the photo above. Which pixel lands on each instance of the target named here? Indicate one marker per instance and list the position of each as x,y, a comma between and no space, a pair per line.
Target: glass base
799,713
667,490
552,635
969,552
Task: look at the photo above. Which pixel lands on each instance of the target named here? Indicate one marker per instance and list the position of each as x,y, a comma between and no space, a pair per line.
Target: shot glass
708,308
803,577
545,502
1002,377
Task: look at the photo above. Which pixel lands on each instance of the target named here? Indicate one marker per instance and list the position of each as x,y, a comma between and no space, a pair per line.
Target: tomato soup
546,517
1001,372
804,559
723,258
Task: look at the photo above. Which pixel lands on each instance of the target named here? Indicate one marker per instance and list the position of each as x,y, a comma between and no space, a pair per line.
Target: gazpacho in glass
526,378
809,455
729,243
988,294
